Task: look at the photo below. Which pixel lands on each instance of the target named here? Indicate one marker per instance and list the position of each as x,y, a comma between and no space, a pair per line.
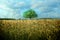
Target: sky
16,8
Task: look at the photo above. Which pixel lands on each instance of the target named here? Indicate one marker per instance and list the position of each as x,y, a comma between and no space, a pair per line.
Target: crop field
44,29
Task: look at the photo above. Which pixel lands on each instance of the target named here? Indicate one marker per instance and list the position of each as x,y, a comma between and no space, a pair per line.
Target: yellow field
47,29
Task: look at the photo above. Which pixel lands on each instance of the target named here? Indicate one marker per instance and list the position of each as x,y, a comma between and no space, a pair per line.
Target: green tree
30,14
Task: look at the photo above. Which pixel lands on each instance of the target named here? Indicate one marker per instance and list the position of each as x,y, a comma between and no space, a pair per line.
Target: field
43,29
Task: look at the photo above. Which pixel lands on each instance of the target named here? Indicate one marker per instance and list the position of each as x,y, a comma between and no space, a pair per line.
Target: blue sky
16,8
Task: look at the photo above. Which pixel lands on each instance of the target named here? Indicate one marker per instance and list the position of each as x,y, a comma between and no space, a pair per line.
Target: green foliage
30,14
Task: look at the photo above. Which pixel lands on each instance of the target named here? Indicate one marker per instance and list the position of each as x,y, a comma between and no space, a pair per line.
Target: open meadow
44,29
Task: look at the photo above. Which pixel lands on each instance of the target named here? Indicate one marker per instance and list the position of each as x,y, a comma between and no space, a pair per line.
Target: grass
44,29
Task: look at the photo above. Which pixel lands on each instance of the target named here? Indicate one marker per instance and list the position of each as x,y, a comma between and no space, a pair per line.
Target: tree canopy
30,14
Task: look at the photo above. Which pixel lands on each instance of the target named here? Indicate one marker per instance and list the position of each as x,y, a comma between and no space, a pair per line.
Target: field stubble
30,29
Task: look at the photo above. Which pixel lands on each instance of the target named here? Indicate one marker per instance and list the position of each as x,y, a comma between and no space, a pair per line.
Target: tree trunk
30,17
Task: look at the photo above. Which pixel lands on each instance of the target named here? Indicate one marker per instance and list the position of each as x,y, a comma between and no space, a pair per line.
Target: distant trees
7,19
30,14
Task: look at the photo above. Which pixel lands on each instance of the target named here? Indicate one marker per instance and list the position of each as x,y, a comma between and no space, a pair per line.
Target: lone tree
30,14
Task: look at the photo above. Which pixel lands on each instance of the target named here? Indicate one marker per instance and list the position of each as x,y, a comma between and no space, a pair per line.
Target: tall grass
30,29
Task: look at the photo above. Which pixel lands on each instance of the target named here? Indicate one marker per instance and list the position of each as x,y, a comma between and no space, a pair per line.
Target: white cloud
19,4
48,8
6,12
38,4
4,7
45,7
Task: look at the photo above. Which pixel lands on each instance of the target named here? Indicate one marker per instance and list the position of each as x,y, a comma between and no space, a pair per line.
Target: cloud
6,12
15,8
19,4
47,8
45,5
